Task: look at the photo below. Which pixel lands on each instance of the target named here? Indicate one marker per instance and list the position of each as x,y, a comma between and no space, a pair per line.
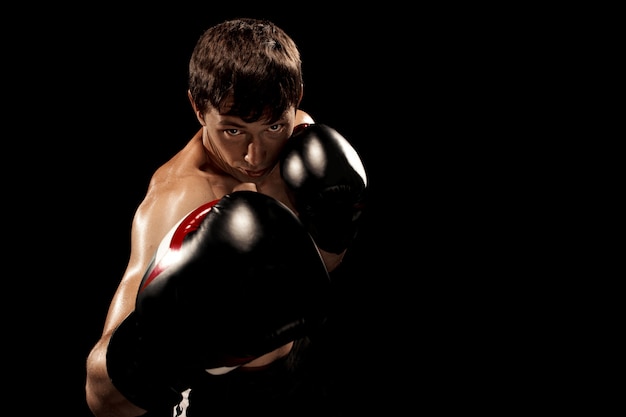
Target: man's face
247,151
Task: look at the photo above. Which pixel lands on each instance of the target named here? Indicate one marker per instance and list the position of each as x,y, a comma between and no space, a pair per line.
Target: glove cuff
130,372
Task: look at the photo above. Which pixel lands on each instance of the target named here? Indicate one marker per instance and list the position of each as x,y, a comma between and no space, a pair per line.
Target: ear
199,115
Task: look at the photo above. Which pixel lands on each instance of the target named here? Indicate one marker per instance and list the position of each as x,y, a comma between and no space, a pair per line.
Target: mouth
255,174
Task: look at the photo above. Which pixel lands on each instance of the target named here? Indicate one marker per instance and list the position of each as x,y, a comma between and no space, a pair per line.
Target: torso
187,181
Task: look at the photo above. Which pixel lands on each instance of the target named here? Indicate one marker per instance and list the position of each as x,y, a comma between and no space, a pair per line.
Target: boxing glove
328,182
235,279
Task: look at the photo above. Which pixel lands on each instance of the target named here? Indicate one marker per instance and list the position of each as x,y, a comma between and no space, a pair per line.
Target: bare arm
158,213
303,117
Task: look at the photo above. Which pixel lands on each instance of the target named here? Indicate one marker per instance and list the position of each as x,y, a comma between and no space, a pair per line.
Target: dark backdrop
114,100
100,101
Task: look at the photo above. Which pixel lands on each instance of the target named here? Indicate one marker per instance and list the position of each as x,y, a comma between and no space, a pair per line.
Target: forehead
221,115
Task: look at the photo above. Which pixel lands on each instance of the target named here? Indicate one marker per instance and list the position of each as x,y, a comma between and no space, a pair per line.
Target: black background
115,108
99,101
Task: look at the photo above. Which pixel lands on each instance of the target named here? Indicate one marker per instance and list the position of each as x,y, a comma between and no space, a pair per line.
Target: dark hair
252,61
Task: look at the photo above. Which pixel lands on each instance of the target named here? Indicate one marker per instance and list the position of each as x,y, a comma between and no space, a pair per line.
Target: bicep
154,218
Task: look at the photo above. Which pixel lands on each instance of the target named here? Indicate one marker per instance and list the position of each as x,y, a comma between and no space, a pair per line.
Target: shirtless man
245,86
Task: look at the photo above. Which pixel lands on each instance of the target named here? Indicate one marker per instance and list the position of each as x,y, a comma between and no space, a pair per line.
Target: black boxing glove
328,183
235,279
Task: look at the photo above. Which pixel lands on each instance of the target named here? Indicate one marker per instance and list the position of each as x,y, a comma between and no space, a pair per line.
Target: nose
254,152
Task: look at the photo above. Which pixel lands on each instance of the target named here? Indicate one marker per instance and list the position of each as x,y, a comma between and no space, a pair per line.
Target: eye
232,132
275,128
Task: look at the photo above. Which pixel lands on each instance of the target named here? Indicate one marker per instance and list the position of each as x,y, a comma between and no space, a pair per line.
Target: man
258,153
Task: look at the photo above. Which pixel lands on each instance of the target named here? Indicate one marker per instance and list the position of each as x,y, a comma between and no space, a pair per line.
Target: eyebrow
228,122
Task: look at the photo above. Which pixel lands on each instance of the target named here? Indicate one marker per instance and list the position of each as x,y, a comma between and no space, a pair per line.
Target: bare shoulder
303,117
176,188
187,161
171,195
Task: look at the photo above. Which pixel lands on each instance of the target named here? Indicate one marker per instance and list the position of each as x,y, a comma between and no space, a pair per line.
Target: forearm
103,399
